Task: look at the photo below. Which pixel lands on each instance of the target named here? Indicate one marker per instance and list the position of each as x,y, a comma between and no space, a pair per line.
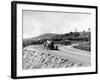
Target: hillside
60,36
43,36
73,37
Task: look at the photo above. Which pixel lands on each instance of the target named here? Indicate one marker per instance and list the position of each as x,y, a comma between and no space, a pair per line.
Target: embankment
33,59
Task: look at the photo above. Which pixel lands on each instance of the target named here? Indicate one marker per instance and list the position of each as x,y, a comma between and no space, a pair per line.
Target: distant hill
59,36
43,36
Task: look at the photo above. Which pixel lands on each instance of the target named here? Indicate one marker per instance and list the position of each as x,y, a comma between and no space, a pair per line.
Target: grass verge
84,46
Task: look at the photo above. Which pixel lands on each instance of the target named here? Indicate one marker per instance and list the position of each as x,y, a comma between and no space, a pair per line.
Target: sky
36,23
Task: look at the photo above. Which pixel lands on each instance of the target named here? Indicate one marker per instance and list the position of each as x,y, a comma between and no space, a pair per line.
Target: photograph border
14,38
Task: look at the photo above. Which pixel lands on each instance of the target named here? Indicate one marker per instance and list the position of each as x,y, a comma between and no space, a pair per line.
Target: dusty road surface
66,52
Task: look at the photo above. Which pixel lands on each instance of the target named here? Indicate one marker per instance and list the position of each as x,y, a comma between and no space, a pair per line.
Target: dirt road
66,52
